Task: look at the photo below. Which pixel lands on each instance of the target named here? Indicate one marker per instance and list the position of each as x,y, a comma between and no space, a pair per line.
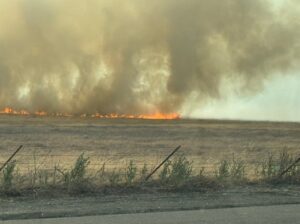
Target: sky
278,101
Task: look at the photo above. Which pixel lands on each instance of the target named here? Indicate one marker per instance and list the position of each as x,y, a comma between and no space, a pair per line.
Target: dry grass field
122,148
117,141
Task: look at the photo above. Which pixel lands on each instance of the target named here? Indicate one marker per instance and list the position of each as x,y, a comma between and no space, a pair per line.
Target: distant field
49,141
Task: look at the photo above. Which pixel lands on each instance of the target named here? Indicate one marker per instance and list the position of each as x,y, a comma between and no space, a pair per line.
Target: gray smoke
139,56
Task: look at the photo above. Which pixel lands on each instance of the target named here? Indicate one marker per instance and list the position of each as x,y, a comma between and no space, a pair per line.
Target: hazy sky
278,101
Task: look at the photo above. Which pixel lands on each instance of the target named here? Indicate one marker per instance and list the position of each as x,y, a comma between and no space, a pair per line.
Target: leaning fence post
10,158
162,163
290,167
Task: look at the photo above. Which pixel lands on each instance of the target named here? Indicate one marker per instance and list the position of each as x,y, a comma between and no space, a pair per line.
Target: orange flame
154,116
8,110
40,113
160,116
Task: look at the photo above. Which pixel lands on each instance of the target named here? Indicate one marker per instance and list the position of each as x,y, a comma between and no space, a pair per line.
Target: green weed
8,176
130,173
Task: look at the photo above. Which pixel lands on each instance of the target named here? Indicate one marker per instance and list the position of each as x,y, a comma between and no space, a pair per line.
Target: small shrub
165,172
114,178
272,168
237,169
43,176
268,168
231,170
144,172
79,169
201,172
285,160
102,170
181,171
54,176
223,170
8,176
176,172
130,173
75,179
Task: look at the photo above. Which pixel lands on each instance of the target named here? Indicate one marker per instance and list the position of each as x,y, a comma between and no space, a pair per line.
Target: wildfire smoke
138,56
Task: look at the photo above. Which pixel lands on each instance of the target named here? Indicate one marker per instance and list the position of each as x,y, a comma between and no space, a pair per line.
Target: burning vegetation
153,116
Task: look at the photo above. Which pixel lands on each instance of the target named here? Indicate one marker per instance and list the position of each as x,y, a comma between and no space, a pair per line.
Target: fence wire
29,159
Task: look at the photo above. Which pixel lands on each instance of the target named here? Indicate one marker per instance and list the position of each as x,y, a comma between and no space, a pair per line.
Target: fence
29,160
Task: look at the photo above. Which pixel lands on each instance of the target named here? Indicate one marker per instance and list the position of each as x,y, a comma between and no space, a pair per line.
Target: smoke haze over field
140,56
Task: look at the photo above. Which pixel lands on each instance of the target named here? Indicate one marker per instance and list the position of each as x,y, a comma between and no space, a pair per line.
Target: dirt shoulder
47,207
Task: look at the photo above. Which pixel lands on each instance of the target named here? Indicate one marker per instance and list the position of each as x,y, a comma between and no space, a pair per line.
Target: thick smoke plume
139,56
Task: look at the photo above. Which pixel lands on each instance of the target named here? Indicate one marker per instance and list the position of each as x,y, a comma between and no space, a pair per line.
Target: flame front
160,116
154,116
11,111
8,110
150,116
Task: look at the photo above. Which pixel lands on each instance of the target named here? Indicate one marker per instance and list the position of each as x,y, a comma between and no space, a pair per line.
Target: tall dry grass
177,173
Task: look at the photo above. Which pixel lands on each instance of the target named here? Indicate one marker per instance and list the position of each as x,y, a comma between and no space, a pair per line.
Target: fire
8,110
160,116
40,113
11,111
153,116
